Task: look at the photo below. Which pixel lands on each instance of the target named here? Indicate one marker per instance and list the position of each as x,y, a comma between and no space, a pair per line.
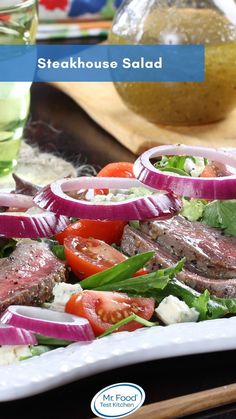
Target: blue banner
104,63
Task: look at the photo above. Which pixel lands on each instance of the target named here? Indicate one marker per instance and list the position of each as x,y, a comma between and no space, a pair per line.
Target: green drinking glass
18,26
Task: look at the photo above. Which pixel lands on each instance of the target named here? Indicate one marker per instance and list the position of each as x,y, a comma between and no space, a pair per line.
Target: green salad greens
218,214
221,214
158,285
182,165
193,209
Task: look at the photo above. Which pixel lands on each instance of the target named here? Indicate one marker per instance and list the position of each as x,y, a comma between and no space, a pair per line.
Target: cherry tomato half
122,169
87,257
103,309
108,231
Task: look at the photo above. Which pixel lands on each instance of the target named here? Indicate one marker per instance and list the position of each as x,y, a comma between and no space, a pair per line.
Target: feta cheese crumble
11,354
172,310
62,292
120,195
194,167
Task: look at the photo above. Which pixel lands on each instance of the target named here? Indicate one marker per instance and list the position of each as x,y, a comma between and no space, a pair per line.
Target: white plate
77,361
65,365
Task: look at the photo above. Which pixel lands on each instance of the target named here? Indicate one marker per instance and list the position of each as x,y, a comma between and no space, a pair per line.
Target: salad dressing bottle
182,22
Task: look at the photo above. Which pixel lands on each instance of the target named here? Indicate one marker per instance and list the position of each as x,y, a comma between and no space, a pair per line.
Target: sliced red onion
53,198
23,225
15,200
203,188
10,335
49,323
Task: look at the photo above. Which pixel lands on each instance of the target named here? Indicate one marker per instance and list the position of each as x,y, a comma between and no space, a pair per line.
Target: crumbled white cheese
194,168
11,354
120,195
62,292
172,310
110,198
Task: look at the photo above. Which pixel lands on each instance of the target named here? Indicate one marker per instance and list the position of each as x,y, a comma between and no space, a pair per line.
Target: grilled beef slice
208,252
135,241
29,274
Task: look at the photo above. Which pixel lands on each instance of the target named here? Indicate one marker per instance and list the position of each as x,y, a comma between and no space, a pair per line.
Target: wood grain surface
103,104
187,405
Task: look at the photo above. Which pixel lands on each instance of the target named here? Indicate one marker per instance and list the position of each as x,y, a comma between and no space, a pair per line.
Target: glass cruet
211,23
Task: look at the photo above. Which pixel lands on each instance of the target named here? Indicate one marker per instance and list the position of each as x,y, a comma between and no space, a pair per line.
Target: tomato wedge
87,257
104,309
108,231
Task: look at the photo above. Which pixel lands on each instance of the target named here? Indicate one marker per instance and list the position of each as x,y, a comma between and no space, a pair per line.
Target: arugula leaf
119,272
201,304
173,164
230,303
208,306
180,165
221,214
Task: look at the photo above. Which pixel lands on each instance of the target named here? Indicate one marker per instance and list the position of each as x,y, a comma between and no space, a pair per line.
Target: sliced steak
207,251
29,274
134,242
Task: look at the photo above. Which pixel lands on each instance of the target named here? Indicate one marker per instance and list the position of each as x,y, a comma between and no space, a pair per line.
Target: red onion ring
23,225
202,188
49,323
53,198
15,200
10,335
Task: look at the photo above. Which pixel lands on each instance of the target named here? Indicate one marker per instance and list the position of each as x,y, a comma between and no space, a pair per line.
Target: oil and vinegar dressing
183,103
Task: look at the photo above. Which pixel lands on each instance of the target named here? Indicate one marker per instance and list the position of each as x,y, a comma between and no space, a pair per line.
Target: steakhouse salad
140,245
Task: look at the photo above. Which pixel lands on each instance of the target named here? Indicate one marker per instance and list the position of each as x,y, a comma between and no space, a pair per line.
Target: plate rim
80,360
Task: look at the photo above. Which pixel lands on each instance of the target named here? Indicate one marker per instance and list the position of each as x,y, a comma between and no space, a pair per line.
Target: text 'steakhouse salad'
140,245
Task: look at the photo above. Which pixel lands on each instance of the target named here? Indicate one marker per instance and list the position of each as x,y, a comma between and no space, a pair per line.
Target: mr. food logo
118,400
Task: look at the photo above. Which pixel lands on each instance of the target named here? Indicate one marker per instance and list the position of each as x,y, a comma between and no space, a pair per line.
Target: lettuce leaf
221,214
193,209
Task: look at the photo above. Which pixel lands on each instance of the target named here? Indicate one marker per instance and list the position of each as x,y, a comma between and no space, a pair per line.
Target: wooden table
75,136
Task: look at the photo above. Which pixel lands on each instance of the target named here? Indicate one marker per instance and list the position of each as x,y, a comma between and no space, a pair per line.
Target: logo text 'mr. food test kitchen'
118,400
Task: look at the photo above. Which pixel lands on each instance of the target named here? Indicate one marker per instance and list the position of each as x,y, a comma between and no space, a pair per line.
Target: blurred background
75,18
